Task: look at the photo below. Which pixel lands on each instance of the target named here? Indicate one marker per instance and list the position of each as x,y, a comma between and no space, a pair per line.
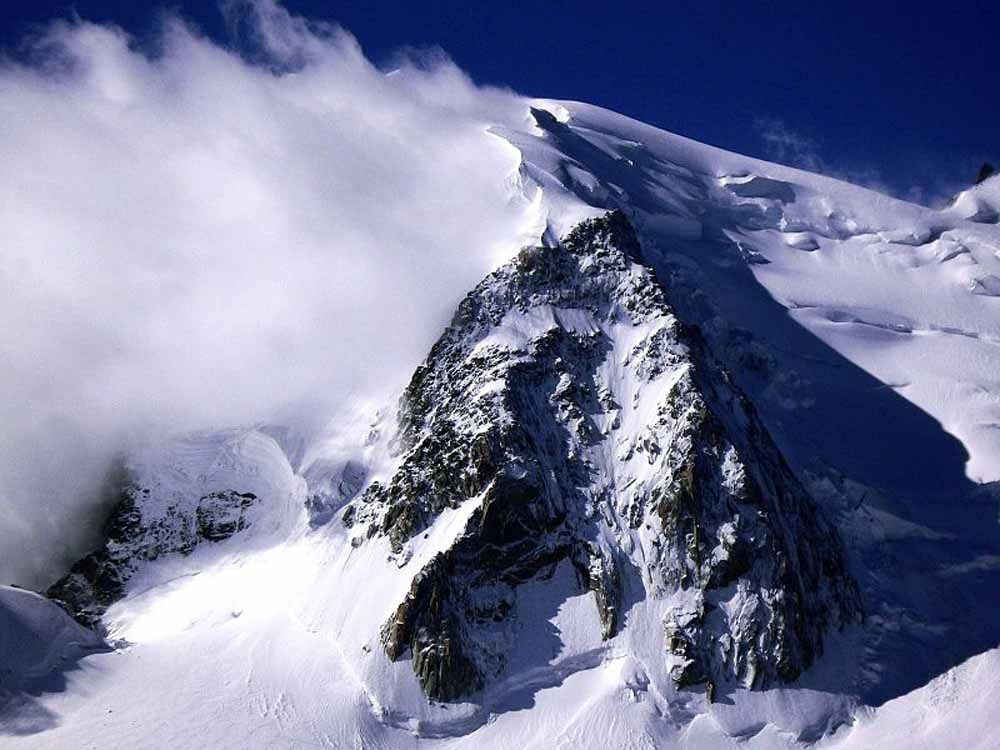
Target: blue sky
902,97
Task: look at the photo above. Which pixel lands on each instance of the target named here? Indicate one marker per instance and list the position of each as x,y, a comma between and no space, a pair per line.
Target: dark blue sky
892,94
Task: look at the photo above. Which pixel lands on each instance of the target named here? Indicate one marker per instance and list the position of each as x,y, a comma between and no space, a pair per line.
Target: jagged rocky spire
587,426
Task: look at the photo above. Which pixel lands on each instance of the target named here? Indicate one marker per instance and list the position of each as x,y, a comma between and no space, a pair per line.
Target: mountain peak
574,429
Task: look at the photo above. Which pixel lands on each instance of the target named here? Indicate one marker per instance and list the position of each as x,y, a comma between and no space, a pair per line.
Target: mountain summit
711,462
574,427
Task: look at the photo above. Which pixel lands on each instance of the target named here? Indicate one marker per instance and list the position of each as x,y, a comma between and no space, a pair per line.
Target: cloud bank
201,236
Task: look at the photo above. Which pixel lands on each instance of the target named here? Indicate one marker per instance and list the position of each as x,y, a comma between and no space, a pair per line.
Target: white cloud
192,239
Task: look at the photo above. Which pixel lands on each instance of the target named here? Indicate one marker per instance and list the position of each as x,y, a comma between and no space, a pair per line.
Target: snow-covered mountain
713,462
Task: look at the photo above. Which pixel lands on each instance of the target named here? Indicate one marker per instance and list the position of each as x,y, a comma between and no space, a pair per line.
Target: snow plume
206,235
784,145
787,146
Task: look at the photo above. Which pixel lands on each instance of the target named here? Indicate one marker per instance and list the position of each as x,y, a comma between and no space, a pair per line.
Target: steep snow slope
910,295
37,638
38,643
865,330
955,710
980,203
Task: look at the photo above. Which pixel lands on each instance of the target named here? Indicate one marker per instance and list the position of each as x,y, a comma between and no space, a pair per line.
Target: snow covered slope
980,203
955,710
177,499
266,592
38,643
909,295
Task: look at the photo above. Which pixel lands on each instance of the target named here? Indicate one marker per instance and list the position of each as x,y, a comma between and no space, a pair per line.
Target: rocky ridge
587,425
140,529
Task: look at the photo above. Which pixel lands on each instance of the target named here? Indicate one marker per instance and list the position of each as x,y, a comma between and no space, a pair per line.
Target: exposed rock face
140,529
570,417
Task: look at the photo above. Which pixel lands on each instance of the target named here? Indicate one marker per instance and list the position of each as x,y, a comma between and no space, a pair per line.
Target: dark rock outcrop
586,426
140,530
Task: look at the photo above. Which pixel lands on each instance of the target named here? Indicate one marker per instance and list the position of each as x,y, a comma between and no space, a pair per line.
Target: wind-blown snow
192,240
